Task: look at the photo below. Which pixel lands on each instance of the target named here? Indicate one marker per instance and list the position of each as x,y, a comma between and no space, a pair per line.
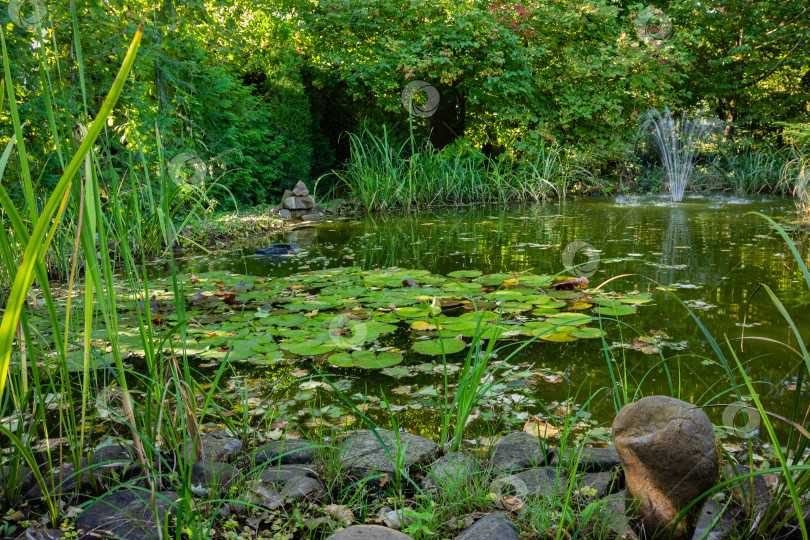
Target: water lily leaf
429,391
423,326
579,305
308,348
464,274
587,333
492,280
570,319
617,310
471,287
365,359
417,311
535,281
504,295
636,299
397,372
436,347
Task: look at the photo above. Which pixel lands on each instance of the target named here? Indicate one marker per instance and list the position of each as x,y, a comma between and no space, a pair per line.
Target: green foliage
508,74
751,58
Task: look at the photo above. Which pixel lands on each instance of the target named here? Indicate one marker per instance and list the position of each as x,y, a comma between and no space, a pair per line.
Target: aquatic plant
795,179
678,142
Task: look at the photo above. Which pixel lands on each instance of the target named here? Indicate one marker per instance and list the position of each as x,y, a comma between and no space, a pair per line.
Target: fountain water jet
677,141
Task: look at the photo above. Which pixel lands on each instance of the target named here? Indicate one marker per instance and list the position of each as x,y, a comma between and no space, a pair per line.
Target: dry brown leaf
510,503
540,428
339,512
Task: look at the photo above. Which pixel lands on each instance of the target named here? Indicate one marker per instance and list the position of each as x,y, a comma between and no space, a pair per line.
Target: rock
299,203
126,514
590,459
286,452
305,202
290,203
300,189
362,454
492,526
285,214
451,469
286,195
303,487
312,216
259,493
216,446
542,481
614,515
669,454
721,530
368,532
518,451
752,494
281,474
207,476
602,482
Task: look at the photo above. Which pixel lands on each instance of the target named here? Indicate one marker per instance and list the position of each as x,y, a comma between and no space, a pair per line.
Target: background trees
261,91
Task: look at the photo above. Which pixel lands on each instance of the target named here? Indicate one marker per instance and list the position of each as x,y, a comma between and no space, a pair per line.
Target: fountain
677,142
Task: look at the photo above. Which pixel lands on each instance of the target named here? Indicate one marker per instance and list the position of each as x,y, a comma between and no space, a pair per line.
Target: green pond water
705,250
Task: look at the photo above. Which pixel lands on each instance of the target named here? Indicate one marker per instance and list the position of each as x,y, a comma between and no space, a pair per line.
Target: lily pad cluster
370,319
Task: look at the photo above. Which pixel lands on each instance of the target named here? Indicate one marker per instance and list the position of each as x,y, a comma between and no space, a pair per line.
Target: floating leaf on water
636,299
423,326
365,359
308,348
570,319
464,274
534,281
471,287
587,333
615,311
494,279
417,311
437,347
397,372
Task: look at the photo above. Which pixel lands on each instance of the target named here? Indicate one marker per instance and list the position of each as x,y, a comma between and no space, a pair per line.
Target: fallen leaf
540,428
339,512
510,503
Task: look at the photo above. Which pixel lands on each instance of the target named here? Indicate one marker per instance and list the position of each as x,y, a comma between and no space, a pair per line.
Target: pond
705,250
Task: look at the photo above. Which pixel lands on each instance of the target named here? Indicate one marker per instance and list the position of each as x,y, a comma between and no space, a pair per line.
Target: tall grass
54,387
795,179
383,175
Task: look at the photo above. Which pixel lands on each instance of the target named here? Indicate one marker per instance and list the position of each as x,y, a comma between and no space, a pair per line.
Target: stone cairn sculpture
299,203
669,453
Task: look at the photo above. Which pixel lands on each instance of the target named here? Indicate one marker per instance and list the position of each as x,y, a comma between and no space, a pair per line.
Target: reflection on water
713,255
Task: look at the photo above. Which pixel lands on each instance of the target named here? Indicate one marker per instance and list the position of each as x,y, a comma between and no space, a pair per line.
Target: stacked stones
299,203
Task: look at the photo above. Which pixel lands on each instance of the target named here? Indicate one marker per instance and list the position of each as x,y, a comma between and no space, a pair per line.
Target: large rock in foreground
126,514
368,532
669,454
362,454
